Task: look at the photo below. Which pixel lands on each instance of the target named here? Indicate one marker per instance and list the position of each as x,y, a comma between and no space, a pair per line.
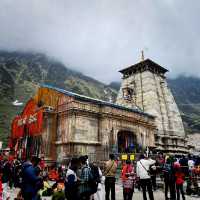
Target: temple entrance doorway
127,142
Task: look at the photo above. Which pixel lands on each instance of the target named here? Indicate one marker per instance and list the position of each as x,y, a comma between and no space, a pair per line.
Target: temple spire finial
142,55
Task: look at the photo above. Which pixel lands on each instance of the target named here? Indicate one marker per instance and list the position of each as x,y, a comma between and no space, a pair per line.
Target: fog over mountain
99,38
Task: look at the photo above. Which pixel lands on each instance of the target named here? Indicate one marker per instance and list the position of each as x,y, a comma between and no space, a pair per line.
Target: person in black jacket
6,177
71,181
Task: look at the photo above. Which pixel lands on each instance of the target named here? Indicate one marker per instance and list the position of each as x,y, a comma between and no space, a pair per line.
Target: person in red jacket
180,176
128,176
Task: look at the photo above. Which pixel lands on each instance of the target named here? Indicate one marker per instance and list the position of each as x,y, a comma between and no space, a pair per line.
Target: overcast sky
100,37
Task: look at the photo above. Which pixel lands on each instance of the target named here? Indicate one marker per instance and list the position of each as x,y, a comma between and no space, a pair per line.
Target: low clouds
99,38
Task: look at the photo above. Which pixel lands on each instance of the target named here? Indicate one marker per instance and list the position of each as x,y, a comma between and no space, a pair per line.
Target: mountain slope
21,74
186,91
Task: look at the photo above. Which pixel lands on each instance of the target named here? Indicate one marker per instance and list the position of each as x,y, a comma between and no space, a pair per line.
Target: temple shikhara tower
144,86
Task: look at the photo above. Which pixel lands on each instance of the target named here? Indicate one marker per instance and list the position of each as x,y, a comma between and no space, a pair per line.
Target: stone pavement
137,195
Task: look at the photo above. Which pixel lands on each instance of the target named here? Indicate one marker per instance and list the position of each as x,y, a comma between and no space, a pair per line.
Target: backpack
94,178
95,173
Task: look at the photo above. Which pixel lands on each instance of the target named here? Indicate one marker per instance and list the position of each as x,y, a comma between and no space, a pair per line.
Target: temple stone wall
97,134
78,125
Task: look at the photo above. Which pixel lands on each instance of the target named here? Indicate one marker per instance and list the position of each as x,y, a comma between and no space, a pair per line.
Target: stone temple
144,86
59,124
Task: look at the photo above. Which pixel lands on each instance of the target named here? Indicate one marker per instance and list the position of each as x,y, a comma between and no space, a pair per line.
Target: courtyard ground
137,195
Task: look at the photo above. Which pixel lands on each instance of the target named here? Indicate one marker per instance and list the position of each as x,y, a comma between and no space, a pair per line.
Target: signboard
132,157
124,156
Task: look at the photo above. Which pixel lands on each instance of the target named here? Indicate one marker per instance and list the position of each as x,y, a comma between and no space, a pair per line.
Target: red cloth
53,175
35,128
17,130
30,108
31,118
1,187
10,158
34,118
179,178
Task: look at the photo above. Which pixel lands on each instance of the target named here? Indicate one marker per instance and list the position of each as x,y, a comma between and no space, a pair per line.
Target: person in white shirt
142,170
190,164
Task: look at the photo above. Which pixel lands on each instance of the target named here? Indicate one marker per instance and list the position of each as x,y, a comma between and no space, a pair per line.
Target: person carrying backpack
110,172
142,170
85,189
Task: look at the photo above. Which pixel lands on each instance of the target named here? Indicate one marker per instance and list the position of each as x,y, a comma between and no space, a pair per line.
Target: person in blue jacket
31,181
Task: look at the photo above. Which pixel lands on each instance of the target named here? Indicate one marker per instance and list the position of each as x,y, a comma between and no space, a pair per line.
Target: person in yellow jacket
46,190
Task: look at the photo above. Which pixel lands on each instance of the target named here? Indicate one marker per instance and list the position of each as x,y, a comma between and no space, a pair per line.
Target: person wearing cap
142,170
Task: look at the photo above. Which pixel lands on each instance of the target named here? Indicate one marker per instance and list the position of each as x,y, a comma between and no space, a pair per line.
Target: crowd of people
83,180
